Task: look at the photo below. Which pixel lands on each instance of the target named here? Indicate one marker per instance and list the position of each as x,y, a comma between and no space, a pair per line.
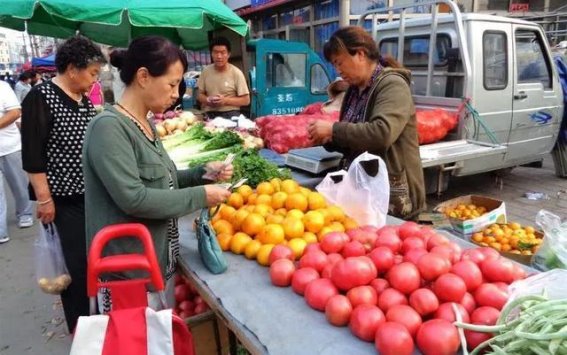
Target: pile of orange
511,237
464,212
252,222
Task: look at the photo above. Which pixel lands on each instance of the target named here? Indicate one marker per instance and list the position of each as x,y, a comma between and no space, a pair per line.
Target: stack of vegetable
433,125
188,302
172,123
401,286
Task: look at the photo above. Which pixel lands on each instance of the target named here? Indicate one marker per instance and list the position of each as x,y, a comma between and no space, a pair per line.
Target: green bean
536,349
549,336
516,345
498,350
482,328
515,303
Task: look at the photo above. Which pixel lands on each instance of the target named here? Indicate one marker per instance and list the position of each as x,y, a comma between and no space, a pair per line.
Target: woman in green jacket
377,116
128,174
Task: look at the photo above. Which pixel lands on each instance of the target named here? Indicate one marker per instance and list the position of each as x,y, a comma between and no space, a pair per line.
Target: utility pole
25,48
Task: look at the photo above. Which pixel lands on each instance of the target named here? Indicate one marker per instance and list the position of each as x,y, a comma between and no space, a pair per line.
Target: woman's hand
216,195
320,132
46,212
224,172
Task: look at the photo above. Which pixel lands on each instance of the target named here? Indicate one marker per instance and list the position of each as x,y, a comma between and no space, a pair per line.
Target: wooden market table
268,319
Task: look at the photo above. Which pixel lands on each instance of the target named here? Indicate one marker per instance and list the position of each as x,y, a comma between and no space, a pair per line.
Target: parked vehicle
502,66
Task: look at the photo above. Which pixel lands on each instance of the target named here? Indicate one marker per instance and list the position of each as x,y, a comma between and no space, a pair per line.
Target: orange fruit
223,226
274,219
263,255
278,200
235,200
328,217
529,230
323,231
272,234
297,245
337,227
304,191
265,188
263,210
309,237
252,198
226,212
295,214
238,217
336,213
216,218
281,212
251,249
224,241
264,199
314,221
316,201
245,191
297,201
277,184
239,242
253,224
289,186
293,228
250,208
350,223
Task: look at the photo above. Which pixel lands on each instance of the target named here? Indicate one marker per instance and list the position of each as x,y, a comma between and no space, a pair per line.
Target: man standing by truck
222,86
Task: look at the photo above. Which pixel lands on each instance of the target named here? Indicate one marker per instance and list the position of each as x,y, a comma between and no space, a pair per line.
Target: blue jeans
11,170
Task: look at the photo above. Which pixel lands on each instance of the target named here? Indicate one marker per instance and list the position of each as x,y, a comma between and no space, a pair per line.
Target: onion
170,125
181,125
162,132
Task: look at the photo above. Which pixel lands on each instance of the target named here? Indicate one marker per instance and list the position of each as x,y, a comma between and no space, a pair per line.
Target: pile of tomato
399,286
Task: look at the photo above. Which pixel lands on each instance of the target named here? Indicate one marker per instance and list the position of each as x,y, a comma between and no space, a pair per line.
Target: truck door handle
520,96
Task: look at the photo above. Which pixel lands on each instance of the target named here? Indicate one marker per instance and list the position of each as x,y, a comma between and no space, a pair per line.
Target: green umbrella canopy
116,22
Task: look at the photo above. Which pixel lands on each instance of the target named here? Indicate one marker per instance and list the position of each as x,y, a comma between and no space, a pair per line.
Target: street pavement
31,322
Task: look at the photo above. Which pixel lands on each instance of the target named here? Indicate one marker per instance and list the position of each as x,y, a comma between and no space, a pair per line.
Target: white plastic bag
364,192
553,282
330,185
552,253
51,272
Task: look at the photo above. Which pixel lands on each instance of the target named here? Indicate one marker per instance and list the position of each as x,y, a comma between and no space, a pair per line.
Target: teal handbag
209,248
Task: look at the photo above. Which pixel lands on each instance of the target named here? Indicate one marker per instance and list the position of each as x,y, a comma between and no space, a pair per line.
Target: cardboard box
496,213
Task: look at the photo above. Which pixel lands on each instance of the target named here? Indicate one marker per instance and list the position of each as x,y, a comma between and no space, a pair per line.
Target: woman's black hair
79,51
154,53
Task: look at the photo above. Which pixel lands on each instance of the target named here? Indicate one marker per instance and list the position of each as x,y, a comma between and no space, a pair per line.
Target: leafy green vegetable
249,164
202,145
196,132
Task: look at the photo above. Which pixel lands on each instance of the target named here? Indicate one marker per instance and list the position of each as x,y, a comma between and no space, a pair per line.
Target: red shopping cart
131,327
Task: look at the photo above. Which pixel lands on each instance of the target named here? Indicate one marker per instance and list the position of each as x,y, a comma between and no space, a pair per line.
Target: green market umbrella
116,22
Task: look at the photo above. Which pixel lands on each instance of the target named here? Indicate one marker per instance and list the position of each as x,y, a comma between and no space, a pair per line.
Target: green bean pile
528,325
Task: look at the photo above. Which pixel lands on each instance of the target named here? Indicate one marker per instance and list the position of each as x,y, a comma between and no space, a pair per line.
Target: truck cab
501,66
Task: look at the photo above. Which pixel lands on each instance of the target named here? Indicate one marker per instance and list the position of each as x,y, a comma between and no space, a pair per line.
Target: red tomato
475,255
362,295
519,272
436,240
389,239
334,257
446,251
431,266
383,258
424,301
389,298
318,292
412,243
469,272
426,233
353,248
280,252
365,235
312,247
413,255
379,285
449,288
489,253
438,337
326,273
180,293
186,306
468,303
281,272
490,295
364,321
498,270
393,339
388,229
502,285
485,315
315,259
301,278
406,316
404,277
446,312
409,229
474,339
201,308
333,242
352,272
338,310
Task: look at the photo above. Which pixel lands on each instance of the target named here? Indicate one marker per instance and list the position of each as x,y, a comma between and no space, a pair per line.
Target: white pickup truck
502,66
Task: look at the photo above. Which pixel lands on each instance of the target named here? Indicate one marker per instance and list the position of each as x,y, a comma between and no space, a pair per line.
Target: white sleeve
8,98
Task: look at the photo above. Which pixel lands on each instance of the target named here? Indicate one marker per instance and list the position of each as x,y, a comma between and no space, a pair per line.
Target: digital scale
314,160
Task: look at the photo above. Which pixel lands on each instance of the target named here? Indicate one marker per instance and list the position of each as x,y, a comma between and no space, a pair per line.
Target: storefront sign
519,7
